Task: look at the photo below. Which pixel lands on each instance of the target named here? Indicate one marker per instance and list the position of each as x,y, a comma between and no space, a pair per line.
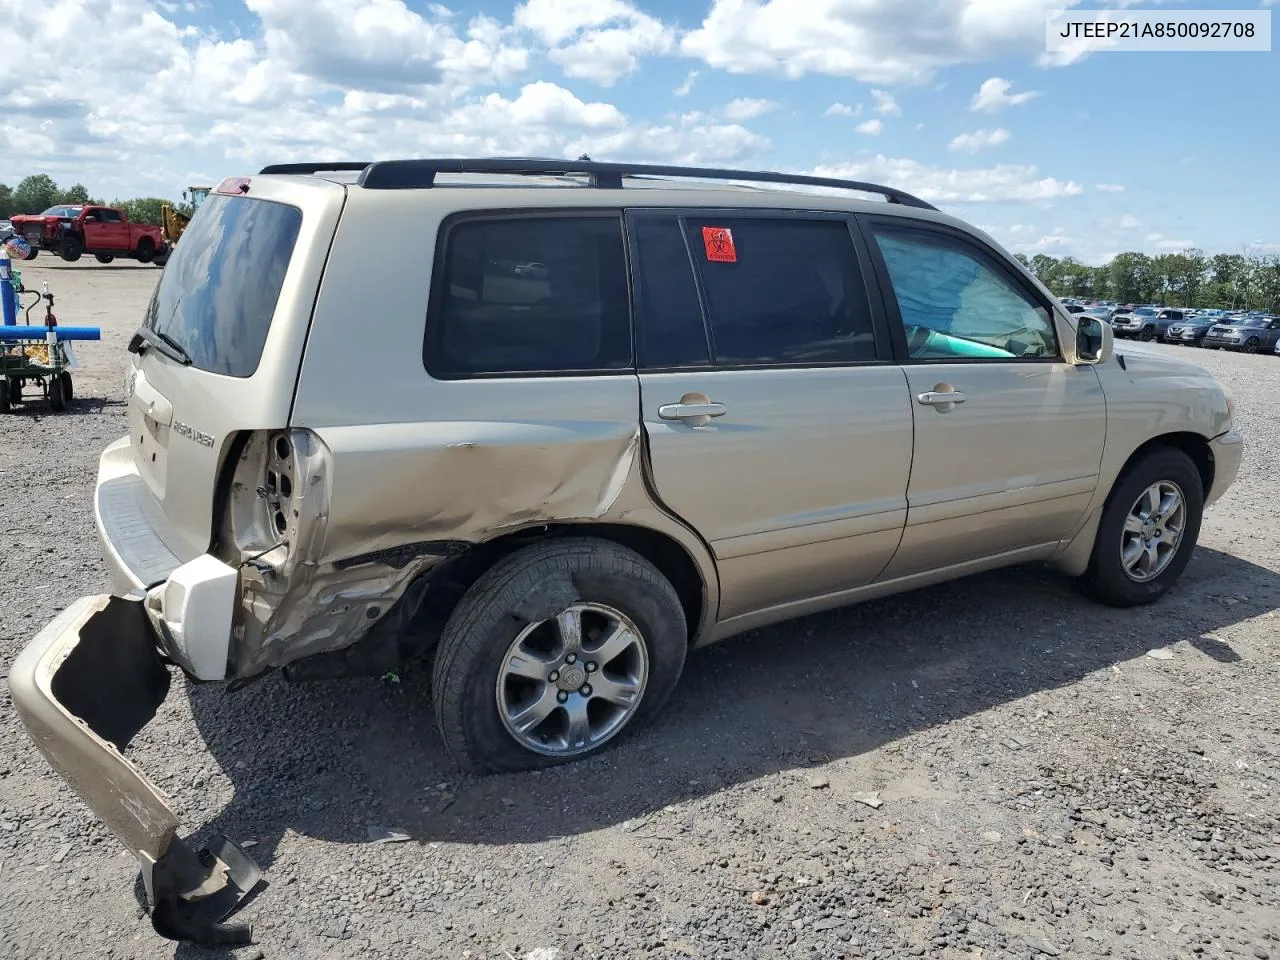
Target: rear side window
780,290
219,289
526,295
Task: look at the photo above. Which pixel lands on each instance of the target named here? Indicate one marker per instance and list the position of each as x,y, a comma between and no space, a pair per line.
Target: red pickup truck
71,231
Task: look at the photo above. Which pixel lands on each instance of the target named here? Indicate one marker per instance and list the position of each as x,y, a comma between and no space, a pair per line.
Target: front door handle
935,398
693,413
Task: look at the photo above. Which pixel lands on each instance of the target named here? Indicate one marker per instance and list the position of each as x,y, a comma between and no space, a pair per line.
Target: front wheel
57,395
1251,346
554,653
1148,530
1148,334
72,248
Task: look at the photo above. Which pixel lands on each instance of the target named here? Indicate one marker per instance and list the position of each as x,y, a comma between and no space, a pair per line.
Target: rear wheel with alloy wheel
555,652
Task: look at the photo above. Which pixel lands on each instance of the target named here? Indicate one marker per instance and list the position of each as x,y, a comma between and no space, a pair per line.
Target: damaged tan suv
577,419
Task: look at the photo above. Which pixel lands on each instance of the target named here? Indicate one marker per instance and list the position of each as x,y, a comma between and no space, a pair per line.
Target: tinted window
531,294
782,291
669,316
219,289
956,304
110,216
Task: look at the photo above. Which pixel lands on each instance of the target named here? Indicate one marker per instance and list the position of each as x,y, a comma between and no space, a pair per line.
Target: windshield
220,287
69,213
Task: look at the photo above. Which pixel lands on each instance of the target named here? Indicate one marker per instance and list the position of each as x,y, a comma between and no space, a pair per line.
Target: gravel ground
1038,783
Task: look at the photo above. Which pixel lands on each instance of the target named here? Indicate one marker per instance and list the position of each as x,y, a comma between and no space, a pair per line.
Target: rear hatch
220,345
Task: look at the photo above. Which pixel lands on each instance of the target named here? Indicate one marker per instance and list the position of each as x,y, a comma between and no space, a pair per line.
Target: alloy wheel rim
1153,530
569,683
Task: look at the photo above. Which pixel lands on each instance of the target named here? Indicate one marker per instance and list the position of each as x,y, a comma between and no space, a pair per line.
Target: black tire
1106,580
35,252
4,395
535,584
57,395
15,392
103,257
71,248
66,385
146,250
160,259
1147,335
1251,345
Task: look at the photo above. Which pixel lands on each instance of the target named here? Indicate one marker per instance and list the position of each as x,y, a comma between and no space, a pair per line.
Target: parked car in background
72,230
1249,335
1190,330
1145,323
6,230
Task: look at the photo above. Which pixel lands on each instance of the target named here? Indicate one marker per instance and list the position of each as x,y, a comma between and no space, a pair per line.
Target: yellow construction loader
174,221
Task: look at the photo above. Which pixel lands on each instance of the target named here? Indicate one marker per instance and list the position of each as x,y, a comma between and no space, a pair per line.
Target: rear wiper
145,337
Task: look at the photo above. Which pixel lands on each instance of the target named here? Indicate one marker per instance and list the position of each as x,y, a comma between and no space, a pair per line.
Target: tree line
39,192
1191,278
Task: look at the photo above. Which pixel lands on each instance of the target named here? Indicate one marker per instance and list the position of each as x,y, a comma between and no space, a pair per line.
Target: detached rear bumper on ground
84,687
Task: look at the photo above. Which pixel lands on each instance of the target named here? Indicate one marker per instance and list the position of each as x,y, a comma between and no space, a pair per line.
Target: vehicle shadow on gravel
37,407
345,761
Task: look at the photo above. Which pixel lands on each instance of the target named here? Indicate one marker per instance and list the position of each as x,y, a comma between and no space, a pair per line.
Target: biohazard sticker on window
719,244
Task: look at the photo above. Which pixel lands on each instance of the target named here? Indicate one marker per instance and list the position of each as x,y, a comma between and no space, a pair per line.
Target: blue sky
953,99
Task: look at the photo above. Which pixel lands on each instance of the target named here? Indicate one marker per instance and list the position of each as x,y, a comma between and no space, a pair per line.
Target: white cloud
746,108
978,140
1001,183
690,141
1129,222
601,40
1109,187
885,103
384,45
540,104
1056,239
994,96
871,127
1161,242
875,41
686,87
844,110
317,80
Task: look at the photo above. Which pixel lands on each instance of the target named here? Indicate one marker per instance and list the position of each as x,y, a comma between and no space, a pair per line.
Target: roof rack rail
420,174
309,168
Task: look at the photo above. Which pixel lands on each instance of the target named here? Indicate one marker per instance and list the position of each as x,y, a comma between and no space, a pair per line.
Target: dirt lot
1047,787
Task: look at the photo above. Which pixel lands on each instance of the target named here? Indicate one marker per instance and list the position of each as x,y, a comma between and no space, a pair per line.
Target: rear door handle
696,414
934,398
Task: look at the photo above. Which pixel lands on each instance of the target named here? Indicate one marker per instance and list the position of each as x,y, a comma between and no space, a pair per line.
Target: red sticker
719,244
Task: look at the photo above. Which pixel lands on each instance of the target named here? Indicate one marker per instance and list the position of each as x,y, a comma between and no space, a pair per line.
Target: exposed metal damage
297,604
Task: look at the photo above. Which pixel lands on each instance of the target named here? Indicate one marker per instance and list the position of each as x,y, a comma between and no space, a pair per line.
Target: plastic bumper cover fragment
84,687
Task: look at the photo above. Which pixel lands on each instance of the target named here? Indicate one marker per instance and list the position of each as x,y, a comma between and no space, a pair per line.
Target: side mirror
1095,340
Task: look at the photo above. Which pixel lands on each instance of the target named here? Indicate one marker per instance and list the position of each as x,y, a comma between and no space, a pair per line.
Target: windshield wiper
145,337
